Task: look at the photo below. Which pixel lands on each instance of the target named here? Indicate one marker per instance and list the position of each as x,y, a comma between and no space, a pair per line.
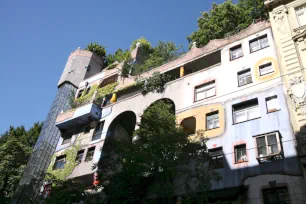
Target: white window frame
272,100
260,45
234,50
214,118
90,158
57,160
264,66
98,131
243,76
244,157
267,146
204,88
246,111
301,13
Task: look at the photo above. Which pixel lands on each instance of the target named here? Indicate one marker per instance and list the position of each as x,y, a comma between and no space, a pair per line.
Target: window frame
236,151
233,48
211,83
61,158
90,157
65,139
258,40
82,151
211,114
275,190
296,14
278,143
245,109
263,66
277,104
80,93
98,132
245,71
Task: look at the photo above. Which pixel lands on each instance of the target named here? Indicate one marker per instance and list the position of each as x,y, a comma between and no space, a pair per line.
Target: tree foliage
119,56
96,48
16,146
227,19
161,164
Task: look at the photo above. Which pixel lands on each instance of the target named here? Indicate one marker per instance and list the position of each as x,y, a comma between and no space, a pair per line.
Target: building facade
288,22
232,88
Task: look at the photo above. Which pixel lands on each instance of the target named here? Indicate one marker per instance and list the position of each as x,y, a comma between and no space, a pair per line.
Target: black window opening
79,156
245,111
245,77
80,93
90,154
240,153
236,52
189,126
98,131
59,162
87,90
259,43
87,129
216,155
276,196
212,120
67,137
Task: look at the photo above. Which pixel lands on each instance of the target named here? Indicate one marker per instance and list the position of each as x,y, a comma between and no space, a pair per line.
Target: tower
81,65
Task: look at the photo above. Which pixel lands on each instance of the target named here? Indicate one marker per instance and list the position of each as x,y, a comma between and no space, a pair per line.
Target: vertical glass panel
261,146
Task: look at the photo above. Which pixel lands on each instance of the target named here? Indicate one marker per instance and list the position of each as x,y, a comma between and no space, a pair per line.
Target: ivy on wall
71,163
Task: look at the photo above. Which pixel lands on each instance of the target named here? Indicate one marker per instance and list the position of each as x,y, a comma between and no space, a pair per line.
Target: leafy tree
16,146
162,163
145,44
226,19
120,55
96,48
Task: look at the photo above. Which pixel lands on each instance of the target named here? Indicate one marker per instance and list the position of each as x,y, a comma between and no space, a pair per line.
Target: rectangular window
59,162
244,77
272,104
245,111
266,69
67,137
87,129
301,15
268,144
88,89
236,52
79,156
90,154
205,91
212,120
80,93
259,43
216,157
98,131
276,196
240,153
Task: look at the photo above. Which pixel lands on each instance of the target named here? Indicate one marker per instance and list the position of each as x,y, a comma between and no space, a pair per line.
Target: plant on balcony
119,56
156,83
96,48
130,88
105,91
71,163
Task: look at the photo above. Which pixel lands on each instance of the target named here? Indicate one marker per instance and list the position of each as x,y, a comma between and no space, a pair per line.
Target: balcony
79,116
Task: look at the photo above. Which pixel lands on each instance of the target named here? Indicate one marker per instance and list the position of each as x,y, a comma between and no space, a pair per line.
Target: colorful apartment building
232,88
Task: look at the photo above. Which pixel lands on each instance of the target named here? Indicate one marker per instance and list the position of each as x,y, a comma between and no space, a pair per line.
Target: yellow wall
200,114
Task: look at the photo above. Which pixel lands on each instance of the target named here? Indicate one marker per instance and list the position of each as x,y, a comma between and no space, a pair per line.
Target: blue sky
38,36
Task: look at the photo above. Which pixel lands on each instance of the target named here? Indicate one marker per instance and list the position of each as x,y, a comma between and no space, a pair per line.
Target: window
98,131
212,120
272,104
259,43
276,196
268,144
80,93
59,162
240,153
216,157
244,77
301,15
90,154
189,126
205,91
245,111
67,137
266,69
236,52
79,156
87,90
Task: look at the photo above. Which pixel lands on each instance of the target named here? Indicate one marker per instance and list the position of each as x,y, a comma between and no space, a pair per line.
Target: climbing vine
71,163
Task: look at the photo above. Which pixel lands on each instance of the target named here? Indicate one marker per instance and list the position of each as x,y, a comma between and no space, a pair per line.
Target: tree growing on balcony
96,48
159,165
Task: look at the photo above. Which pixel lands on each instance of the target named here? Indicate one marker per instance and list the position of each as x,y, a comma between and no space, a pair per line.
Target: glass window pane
240,116
266,69
253,113
201,95
254,46
211,92
216,122
300,12
264,42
